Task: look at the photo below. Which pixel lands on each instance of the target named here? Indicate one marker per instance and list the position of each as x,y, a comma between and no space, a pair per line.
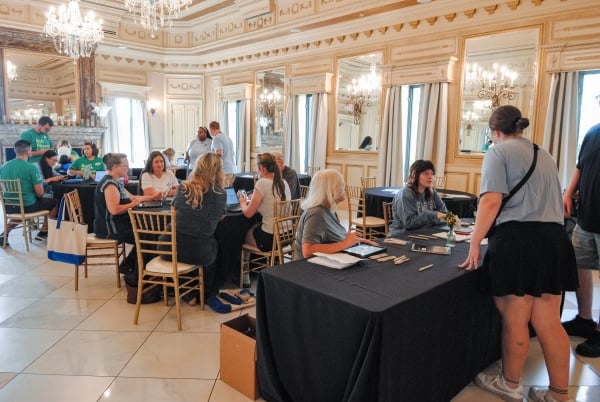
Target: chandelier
153,13
268,103
360,92
493,85
11,71
73,35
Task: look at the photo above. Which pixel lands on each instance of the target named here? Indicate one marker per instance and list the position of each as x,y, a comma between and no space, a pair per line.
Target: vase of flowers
451,220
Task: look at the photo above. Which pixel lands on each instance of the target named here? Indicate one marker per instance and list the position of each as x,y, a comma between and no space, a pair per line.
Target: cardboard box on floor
238,355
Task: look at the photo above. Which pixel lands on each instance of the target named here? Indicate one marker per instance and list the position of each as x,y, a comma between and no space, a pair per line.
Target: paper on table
336,260
247,175
446,195
391,190
443,235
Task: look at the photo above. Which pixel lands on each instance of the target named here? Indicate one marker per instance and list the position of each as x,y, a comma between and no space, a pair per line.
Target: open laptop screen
100,175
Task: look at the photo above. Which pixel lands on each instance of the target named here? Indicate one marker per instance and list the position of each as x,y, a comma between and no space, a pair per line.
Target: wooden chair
439,182
11,196
311,170
303,191
154,237
368,182
98,251
388,215
286,216
369,226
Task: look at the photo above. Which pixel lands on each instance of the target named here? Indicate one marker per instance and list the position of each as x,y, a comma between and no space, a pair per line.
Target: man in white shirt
198,146
222,145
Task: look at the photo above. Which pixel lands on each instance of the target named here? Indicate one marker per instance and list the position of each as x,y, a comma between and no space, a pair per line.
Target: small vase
450,238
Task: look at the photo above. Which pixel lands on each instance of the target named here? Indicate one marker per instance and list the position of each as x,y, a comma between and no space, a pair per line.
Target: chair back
286,208
303,191
11,195
368,182
356,203
388,215
73,205
311,170
439,182
284,234
155,234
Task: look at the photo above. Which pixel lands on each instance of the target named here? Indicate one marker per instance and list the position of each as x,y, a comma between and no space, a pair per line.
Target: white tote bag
66,240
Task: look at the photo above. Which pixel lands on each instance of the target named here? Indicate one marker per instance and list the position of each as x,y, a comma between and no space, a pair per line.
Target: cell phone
243,193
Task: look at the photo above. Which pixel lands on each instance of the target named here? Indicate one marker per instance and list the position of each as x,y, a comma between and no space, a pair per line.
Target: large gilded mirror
358,102
39,84
499,69
270,103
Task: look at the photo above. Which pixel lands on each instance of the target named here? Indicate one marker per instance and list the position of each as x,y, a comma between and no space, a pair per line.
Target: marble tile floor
60,345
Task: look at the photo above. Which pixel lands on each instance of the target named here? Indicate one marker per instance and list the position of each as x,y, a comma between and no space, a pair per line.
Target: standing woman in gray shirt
529,260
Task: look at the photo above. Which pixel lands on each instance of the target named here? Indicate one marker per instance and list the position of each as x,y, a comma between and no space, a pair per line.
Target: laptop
100,175
155,203
232,203
181,162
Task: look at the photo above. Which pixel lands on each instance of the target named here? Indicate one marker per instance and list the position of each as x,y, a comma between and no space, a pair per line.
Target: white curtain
318,128
560,136
243,157
391,155
291,140
110,139
127,132
433,123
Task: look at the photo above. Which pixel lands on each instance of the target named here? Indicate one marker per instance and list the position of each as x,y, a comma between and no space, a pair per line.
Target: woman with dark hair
366,144
269,188
90,152
417,204
529,260
156,178
47,172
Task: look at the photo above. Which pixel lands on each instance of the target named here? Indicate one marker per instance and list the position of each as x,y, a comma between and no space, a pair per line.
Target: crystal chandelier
73,35
492,85
11,71
268,103
153,13
361,91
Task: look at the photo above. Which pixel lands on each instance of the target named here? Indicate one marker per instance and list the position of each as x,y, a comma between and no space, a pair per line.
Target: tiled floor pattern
57,344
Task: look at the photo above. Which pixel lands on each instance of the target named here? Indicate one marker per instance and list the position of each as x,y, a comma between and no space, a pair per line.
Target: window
130,136
411,98
589,89
304,130
234,122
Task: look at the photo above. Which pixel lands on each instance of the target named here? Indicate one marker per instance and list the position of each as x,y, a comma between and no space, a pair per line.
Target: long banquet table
375,331
461,203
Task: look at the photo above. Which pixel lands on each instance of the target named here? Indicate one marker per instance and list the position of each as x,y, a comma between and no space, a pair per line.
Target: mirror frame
85,83
535,71
340,95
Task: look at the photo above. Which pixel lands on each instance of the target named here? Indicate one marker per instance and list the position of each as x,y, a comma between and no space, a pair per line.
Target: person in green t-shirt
38,138
90,152
31,188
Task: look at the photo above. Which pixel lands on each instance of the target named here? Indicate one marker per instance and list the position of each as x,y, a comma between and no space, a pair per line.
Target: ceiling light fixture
155,13
73,35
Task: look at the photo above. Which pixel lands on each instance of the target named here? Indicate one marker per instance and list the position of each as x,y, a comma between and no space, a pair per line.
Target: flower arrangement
451,219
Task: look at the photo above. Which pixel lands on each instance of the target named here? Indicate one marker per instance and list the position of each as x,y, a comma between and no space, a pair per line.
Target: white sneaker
496,384
541,395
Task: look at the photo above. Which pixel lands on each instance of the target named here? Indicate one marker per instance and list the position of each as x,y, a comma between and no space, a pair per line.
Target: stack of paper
443,235
336,260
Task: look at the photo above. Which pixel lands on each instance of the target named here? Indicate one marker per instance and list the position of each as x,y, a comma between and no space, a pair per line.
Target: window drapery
127,129
433,123
391,154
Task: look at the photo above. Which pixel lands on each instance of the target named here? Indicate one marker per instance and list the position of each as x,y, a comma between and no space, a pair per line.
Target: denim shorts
587,248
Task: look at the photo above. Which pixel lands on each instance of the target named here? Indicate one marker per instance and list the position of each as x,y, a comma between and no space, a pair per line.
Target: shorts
40,204
529,258
587,248
264,240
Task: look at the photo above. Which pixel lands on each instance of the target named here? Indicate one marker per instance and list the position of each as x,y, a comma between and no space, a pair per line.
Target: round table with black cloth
461,203
86,195
245,181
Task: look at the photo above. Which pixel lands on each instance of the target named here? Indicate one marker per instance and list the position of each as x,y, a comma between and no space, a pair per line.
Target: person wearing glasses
90,157
47,172
38,138
111,203
156,178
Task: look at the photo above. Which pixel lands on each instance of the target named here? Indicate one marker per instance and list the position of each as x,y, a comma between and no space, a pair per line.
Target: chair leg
26,234
116,250
201,286
76,277
242,265
138,302
178,307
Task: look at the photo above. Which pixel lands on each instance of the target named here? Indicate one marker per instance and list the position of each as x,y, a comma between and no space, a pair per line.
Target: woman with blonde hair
319,228
200,205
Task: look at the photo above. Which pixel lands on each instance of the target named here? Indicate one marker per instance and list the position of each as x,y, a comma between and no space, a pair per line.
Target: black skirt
529,258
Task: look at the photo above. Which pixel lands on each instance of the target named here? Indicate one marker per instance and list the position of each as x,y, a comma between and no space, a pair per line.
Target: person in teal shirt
31,188
38,138
90,152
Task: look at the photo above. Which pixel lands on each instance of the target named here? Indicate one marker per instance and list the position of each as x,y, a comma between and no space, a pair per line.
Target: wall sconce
153,105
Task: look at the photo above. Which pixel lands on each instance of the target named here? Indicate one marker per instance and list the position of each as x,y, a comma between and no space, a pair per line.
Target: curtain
391,155
560,136
433,123
243,158
291,140
318,128
110,140
127,131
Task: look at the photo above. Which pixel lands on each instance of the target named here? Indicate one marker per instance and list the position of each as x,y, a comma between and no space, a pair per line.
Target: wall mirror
500,69
358,102
39,84
269,98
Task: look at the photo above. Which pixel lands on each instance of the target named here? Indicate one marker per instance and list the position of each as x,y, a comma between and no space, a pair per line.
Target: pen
425,267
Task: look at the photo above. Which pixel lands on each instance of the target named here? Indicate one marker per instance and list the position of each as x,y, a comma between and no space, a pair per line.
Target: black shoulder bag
515,189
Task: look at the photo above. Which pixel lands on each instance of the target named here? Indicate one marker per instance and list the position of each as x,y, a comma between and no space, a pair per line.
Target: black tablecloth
373,332
245,181
86,196
461,203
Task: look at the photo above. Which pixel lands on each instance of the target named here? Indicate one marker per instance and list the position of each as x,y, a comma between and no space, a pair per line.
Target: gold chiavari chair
369,226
